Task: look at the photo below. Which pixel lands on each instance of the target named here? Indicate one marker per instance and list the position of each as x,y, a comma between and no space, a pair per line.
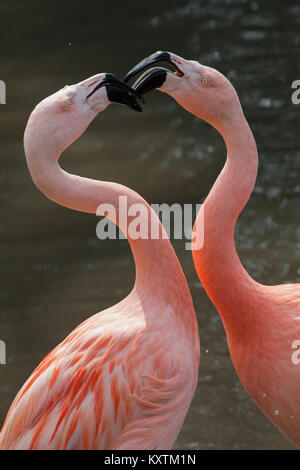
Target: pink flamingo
124,378
262,323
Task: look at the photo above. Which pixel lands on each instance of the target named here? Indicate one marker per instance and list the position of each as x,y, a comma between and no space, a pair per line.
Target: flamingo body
124,378
262,322
113,383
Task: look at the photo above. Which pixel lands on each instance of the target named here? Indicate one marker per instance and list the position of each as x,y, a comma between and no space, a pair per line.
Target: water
54,271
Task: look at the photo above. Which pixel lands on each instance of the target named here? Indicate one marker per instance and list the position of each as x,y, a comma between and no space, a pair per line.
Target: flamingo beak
118,92
155,77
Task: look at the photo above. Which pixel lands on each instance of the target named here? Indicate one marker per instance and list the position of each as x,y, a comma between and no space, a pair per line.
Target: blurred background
54,271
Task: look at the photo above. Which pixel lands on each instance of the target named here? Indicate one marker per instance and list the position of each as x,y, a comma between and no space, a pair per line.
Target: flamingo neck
219,268
158,272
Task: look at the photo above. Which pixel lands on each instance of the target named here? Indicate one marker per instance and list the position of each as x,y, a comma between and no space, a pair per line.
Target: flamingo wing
102,389
78,397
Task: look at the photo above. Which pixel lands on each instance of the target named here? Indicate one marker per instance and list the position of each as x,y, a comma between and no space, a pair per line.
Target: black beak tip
156,57
122,94
153,81
118,92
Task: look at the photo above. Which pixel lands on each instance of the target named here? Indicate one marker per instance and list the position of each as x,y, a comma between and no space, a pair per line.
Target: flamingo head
199,89
61,118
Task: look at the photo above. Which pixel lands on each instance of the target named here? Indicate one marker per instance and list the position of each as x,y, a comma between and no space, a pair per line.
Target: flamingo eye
69,103
204,80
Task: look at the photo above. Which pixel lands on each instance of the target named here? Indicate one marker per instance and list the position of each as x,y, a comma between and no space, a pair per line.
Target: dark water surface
54,271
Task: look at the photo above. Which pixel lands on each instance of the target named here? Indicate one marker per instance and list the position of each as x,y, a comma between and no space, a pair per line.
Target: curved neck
157,267
217,263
